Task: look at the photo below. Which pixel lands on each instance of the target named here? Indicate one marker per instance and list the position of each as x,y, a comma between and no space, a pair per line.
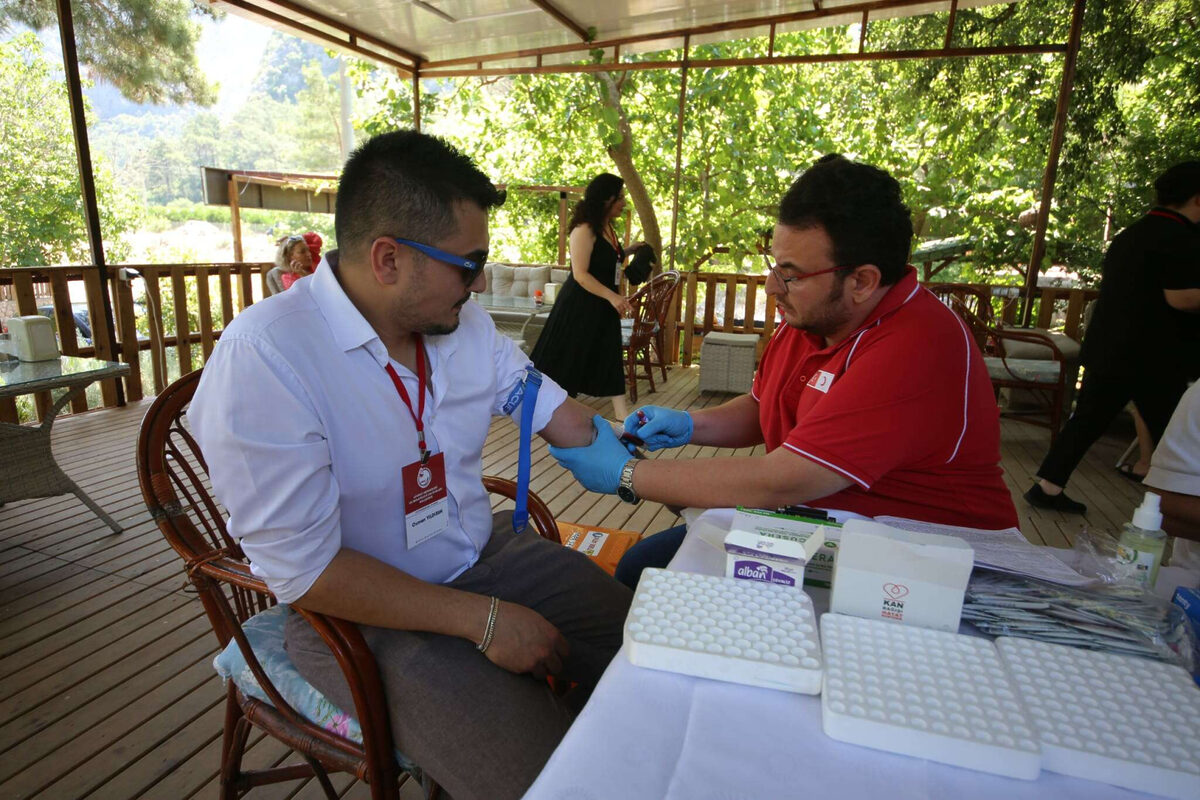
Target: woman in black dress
580,346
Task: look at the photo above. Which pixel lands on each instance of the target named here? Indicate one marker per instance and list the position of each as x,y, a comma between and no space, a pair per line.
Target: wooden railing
736,303
707,301
231,286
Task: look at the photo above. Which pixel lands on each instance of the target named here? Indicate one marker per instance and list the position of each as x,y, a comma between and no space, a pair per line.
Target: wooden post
127,327
113,390
562,228
1056,140
416,90
683,76
235,218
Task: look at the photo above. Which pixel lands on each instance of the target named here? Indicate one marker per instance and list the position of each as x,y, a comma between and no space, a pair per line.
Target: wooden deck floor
106,683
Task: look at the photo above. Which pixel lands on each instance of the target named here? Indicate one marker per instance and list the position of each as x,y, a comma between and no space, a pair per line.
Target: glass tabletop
494,302
21,377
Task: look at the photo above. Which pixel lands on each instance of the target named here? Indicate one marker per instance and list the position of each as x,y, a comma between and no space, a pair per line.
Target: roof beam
389,55
680,33
757,61
567,22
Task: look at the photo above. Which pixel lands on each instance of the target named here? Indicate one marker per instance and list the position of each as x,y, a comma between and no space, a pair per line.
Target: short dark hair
405,183
591,208
860,209
1178,184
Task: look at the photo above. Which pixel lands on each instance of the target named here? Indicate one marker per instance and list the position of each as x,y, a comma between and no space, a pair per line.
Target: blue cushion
264,631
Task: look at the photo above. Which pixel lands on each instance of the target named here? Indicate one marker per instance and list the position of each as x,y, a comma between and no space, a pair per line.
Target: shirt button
804,379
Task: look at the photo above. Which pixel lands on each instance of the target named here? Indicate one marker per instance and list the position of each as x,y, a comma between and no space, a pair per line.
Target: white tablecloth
656,735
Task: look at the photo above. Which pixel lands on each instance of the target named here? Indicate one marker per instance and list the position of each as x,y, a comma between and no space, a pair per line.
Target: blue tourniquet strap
533,380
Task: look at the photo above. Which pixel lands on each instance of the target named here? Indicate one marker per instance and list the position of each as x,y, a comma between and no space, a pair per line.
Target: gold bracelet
490,630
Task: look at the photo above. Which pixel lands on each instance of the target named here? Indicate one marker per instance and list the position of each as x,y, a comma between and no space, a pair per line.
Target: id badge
426,507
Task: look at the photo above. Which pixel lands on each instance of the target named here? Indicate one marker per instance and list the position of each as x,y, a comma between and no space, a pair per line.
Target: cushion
500,281
559,275
527,280
264,631
1065,344
1034,370
731,339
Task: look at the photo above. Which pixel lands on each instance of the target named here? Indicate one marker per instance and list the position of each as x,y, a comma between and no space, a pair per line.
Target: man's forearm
1181,514
570,426
778,479
362,589
731,424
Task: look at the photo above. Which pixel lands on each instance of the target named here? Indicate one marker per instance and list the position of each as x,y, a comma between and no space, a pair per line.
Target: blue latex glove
597,466
660,427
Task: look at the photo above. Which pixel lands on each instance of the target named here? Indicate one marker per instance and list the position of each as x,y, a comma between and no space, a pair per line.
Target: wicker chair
1044,379
651,304
173,477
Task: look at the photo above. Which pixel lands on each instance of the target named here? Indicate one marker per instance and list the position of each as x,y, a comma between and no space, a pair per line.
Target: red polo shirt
903,407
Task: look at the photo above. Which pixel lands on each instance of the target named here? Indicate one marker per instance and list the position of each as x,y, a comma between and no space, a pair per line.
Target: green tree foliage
41,206
967,138
146,48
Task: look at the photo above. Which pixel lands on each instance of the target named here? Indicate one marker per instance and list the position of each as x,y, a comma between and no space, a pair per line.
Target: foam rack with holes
1118,719
759,634
924,693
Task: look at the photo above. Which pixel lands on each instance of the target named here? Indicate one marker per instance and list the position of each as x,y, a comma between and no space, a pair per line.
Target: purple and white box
770,548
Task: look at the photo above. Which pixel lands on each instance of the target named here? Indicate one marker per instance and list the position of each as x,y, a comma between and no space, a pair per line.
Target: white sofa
521,280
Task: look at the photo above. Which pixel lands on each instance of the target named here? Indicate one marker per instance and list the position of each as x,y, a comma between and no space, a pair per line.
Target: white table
656,735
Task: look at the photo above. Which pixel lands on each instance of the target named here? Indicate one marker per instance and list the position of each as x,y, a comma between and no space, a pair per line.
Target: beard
830,316
439,330
443,328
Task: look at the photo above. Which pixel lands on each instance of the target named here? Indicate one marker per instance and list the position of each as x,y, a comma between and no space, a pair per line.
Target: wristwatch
625,485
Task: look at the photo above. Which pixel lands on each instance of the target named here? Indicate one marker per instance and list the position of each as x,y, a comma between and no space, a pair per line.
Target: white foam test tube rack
929,694
1122,720
726,629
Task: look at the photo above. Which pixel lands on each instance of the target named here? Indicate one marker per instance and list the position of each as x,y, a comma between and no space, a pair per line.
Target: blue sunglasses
470,268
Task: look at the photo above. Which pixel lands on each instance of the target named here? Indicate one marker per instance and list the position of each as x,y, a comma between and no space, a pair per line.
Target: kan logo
893,605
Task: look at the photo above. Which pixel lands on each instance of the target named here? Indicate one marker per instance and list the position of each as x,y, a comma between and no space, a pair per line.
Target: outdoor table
27,465
524,311
659,735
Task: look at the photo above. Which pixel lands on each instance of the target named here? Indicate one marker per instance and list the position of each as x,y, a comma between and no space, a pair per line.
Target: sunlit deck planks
106,683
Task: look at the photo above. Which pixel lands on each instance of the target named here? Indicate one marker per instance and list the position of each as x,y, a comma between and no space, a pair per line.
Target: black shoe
1037,498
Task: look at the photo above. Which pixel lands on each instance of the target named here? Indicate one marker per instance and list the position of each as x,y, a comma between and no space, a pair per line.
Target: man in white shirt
1175,474
343,424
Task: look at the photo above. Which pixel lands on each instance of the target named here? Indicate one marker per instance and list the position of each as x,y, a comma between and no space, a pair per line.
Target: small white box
901,576
33,338
769,547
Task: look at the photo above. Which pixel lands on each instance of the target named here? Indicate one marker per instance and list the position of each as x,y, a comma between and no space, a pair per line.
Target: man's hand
660,427
524,641
597,466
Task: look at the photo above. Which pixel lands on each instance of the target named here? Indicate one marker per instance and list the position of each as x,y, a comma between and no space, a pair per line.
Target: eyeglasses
785,282
471,268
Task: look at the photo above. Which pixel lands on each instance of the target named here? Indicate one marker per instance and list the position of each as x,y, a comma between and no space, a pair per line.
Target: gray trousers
478,730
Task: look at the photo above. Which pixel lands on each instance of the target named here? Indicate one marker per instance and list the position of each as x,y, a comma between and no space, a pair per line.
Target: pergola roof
426,35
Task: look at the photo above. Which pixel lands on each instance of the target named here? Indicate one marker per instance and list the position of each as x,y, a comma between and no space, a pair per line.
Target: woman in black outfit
580,346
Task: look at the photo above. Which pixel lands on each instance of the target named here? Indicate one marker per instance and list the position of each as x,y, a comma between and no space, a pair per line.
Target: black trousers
1101,398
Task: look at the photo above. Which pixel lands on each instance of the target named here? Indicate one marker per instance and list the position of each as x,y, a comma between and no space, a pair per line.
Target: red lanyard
420,412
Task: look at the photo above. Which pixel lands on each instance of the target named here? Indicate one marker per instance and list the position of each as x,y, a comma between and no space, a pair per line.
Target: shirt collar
348,326
900,293
1159,211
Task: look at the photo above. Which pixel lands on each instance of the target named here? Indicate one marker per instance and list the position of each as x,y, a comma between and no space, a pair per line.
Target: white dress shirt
305,434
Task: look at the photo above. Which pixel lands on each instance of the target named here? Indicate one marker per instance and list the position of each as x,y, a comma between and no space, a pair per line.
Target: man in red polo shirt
872,399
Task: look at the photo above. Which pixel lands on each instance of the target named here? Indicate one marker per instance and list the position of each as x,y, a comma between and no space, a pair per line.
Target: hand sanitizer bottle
1143,540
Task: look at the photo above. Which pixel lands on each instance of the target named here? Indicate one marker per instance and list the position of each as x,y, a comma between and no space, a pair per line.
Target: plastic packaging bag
1115,615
